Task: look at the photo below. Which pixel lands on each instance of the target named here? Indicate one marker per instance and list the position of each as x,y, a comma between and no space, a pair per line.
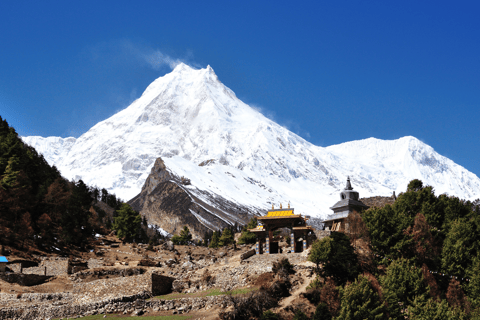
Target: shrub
322,313
283,266
360,301
249,306
299,315
269,315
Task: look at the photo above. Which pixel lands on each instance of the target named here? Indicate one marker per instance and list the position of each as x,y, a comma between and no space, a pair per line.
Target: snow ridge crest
188,117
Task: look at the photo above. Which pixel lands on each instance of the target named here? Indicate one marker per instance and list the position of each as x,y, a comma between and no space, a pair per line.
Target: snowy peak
226,148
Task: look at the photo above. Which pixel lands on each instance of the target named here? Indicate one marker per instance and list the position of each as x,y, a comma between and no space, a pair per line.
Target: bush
269,315
322,313
283,266
360,301
249,306
299,315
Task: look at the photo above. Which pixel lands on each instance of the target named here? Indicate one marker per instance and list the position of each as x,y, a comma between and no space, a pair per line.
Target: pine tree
473,288
337,256
459,247
401,283
422,308
248,237
127,223
215,240
226,238
360,301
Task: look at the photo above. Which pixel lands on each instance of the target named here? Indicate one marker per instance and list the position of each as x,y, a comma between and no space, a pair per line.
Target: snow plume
126,51
158,59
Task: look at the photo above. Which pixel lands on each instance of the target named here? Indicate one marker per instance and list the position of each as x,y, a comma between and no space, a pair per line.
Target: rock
170,262
168,245
137,312
221,254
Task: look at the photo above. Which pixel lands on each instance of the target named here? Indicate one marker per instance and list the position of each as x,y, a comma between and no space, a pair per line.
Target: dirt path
288,300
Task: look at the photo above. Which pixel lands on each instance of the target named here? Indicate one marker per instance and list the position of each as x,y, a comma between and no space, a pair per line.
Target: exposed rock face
378,201
170,204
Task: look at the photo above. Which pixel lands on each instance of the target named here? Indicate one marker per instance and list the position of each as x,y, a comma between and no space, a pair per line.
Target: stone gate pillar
292,242
258,248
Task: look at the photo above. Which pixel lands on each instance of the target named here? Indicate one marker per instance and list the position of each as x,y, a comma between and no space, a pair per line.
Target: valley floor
204,280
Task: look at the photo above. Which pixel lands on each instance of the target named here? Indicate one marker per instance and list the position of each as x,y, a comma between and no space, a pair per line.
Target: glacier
204,132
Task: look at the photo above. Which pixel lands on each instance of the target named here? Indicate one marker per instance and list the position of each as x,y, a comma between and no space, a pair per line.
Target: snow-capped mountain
203,132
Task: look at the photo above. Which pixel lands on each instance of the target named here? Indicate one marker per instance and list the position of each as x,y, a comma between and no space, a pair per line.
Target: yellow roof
280,213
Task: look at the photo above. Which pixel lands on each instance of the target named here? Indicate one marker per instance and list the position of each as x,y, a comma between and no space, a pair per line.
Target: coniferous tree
127,223
248,237
215,243
473,288
401,283
460,247
337,256
422,308
226,237
359,301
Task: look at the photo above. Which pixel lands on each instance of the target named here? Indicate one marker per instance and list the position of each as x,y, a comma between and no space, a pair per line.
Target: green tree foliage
359,301
184,238
416,225
248,237
75,223
322,312
473,288
459,247
401,283
215,243
383,225
268,315
337,256
127,223
431,309
299,315
32,193
226,237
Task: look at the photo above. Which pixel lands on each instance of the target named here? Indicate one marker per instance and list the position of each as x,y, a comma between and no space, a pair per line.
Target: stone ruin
48,266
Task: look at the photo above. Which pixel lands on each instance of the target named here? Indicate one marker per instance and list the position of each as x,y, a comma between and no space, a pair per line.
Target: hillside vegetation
39,208
418,258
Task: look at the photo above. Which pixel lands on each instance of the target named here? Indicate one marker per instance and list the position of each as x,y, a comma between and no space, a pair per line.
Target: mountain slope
202,131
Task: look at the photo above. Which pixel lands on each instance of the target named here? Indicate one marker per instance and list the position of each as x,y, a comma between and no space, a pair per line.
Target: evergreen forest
416,259
41,209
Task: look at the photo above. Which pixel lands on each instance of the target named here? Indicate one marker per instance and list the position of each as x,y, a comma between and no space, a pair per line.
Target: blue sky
330,71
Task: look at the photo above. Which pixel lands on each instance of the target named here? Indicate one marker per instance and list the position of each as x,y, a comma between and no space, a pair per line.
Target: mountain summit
203,132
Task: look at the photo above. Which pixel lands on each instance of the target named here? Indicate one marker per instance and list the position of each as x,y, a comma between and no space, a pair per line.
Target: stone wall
161,284
15,267
56,266
24,279
41,270
322,233
94,263
48,267
49,306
